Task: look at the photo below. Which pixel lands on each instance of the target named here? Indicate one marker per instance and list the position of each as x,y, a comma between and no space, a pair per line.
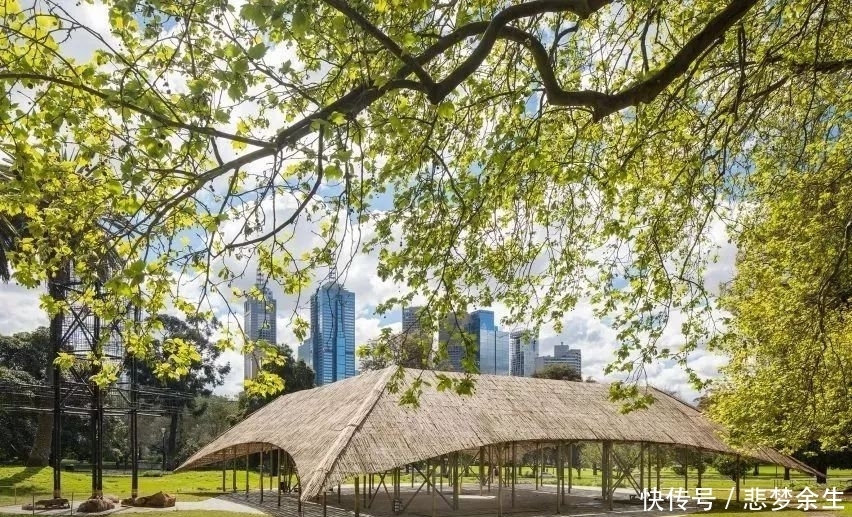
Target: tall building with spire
333,332
259,317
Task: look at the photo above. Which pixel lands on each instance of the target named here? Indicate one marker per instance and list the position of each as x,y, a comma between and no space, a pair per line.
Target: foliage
790,300
406,349
731,467
559,371
694,461
199,428
297,376
193,380
24,360
533,154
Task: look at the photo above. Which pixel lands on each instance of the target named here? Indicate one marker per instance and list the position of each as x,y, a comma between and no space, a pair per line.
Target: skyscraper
333,333
491,346
306,352
410,320
259,318
524,350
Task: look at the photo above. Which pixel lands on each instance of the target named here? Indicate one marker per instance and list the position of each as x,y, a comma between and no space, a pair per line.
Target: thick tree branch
644,91
117,100
347,10
582,8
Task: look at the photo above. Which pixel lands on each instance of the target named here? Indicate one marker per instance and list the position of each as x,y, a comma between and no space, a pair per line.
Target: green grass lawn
18,483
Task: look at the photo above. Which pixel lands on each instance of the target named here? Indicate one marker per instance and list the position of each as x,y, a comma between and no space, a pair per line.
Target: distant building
259,318
306,352
490,346
562,354
524,352
333,333
410,319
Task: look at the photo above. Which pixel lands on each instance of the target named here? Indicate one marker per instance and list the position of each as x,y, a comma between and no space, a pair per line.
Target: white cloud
20,309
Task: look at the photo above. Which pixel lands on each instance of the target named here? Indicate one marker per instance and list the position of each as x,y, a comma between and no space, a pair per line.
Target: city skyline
260,323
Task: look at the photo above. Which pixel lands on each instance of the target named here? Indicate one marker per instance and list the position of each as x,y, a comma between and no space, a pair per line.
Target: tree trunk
786,473
43,438
171,445
40,453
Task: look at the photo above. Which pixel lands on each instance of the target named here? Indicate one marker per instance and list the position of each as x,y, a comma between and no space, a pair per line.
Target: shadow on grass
18,477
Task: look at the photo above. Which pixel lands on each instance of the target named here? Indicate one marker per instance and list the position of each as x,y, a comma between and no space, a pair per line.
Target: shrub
152,474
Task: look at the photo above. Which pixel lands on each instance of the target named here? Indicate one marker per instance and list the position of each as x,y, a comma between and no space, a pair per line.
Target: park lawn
17,483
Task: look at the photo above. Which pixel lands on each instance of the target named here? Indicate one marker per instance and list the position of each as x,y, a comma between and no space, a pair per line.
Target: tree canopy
561,372
534,154
296,376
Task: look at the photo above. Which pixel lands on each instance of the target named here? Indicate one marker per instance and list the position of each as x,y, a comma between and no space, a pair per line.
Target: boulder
158,500
48,504
95,504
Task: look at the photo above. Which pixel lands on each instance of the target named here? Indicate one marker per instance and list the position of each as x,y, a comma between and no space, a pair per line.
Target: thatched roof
358,426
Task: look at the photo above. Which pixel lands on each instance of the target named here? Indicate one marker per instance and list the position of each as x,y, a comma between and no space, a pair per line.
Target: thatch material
357,426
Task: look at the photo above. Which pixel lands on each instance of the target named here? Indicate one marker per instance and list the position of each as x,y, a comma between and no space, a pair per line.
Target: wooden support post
499,482
562,471
514,472
540,467
324,505
490,466
558,493
658,467
607,460
434,501
650,483
260,463
698,469
357,496
224,468
247,472
234,474
686,469
299,497
603,472
364,492
641,468
278,473
481,469
570,466
455,481
426,477
338,493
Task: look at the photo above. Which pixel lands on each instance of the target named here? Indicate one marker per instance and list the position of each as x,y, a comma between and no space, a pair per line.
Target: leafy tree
197,430
26,436
407,349
558,371
790,301
729,466
297,376
605,138
198,377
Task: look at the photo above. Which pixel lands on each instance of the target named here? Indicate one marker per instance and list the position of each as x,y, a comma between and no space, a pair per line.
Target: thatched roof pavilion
358,426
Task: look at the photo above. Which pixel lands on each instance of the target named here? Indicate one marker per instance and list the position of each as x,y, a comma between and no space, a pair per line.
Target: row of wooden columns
366,496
